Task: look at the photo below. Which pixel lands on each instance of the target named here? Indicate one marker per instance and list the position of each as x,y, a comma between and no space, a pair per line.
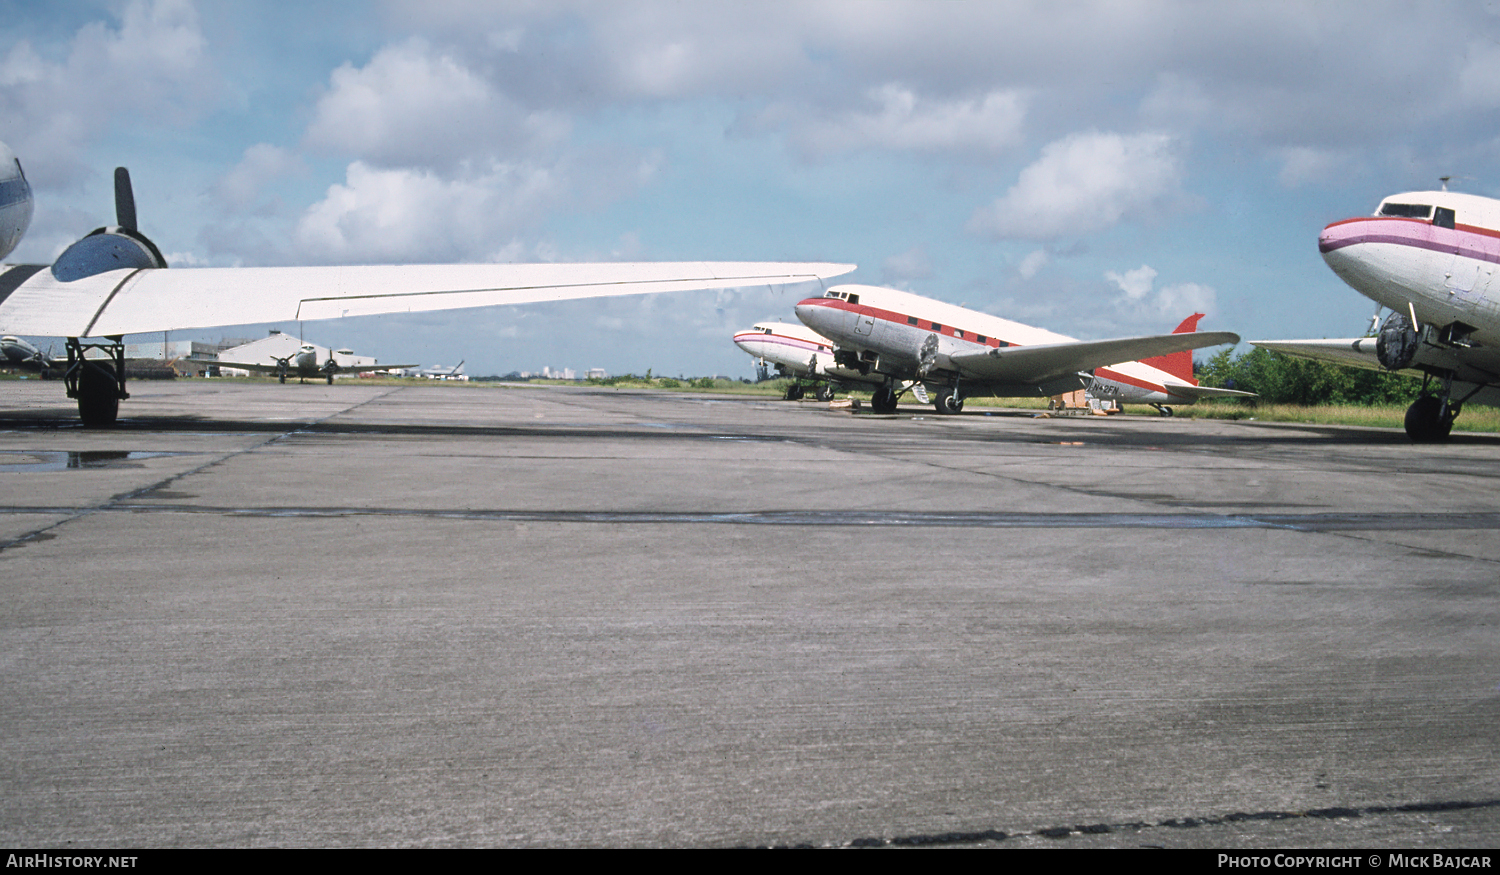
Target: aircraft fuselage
15,201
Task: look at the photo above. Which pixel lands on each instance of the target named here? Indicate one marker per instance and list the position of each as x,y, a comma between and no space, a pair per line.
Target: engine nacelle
104,250
1397,343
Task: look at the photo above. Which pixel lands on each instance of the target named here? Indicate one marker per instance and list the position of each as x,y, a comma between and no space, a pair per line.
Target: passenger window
911,320
936,327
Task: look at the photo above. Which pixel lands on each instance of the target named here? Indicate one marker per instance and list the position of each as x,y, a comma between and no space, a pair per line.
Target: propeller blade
124,200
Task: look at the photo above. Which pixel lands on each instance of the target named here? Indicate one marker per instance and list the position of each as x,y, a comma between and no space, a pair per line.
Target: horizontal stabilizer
1198,393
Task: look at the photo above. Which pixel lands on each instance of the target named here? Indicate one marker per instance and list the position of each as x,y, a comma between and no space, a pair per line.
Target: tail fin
1178,364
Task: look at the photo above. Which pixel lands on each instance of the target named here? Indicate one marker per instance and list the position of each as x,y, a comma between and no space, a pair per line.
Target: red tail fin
1178,364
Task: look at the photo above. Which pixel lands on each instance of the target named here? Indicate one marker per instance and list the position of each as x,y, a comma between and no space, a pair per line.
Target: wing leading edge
1042,362
137,301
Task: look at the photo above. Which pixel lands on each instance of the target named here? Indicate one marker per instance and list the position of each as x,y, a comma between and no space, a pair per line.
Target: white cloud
1083,184
1033,263
153,65
243,187
913,264
1136,284
1185,299
906,121
1177,300
412,215
413,105
1303,165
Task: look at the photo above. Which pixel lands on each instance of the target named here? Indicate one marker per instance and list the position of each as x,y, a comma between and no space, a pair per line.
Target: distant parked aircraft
802,353
909,342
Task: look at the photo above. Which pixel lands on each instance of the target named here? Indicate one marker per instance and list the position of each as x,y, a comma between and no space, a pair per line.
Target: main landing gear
98,383
821,391
884,399
948,401
1163,409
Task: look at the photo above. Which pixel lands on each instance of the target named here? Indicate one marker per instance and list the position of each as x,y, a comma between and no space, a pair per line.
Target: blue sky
1097,169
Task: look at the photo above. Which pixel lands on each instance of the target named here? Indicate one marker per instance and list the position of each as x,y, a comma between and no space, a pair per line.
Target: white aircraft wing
292,369
1476,370
1044,361
1357,352
34,302
365,369
260,367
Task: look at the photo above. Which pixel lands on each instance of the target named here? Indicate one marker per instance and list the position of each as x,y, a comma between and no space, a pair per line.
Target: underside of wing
1356,352
1042,362
1474,371
135,301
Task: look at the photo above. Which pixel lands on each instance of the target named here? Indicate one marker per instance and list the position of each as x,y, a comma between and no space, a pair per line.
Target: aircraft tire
330,379
98,400
947,403
793,393
1425,421
1166,411
283,379
884,400
825,392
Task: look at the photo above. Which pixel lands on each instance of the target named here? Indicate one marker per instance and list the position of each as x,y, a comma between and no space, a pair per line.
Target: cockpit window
1406,211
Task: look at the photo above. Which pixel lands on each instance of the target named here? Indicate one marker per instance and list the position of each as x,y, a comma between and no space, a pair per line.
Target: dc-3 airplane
802,353
303,364
16,352
113,282
907,342
1430,257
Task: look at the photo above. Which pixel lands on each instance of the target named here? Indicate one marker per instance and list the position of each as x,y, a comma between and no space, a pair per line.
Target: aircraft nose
1344,247
811,312
1327,240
